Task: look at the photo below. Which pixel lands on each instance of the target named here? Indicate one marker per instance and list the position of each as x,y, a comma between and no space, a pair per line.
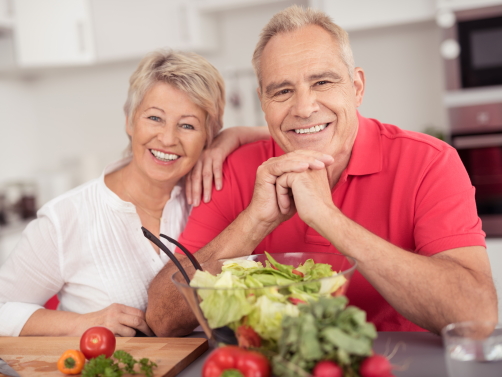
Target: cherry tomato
97,341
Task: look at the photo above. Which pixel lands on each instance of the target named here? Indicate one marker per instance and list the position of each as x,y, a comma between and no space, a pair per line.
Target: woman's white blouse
87,246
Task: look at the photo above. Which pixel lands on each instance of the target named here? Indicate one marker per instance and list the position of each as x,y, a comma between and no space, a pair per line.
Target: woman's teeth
164,156
311,130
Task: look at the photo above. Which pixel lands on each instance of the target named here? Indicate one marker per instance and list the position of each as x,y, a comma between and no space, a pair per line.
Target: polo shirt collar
366,157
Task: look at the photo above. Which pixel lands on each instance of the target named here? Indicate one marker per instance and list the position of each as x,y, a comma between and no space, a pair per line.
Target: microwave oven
478,34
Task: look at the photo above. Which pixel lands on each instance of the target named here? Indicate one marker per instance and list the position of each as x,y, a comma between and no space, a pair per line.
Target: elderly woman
86,246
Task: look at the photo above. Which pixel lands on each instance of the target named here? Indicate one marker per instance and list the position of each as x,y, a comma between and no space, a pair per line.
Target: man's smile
311,130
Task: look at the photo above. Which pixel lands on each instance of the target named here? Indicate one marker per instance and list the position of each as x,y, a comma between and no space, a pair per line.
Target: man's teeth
311,130
164,156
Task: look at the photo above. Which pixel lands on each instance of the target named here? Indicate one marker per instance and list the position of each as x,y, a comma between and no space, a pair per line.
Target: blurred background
65,66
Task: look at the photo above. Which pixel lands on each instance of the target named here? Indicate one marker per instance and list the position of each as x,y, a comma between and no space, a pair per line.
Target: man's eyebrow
276,85
316,76
325,75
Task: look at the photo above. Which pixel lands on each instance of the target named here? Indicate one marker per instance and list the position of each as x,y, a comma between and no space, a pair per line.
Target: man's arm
167,313
454,285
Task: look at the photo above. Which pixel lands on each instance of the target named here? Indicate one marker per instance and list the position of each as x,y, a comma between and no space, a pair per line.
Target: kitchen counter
418,354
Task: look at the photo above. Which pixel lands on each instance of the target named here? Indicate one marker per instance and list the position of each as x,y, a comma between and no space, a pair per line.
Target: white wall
404,75
19,130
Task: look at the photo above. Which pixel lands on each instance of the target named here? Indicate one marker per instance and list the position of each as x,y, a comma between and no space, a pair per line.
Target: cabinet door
53,32
132,28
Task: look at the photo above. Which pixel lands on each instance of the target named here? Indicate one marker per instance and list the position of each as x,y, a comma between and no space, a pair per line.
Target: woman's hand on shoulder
199,181
122,320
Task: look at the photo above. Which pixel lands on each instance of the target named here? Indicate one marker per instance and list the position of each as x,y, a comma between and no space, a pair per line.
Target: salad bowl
243,300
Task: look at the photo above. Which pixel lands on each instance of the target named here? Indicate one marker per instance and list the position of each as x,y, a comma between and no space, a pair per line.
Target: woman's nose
168,135
305,103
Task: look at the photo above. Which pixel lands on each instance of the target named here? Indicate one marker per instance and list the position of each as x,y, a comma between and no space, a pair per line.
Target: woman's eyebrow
156,108
190,116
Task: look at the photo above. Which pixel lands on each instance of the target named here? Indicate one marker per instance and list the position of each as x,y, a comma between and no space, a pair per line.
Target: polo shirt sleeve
209,219
445,209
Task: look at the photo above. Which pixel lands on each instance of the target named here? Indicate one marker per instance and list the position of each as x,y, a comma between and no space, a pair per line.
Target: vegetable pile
97,344
261,305
326,335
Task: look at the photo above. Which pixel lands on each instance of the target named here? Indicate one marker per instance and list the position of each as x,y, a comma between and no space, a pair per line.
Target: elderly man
398,202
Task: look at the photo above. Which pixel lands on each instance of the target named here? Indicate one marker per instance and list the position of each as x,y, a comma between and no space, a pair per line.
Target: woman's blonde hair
294,18
186,71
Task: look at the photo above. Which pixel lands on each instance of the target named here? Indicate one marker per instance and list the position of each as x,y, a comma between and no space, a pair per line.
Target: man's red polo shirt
408,188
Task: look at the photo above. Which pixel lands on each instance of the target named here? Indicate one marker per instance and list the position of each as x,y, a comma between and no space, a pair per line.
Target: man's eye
282,92
323,82
187,126
154,118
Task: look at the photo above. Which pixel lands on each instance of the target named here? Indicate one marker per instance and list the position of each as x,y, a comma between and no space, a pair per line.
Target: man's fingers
325,158
284,200
279,167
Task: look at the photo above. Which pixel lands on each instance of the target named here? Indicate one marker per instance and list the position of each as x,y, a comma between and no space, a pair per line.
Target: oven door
482,157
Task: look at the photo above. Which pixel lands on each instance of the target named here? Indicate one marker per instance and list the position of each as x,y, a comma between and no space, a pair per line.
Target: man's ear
359,85
258,91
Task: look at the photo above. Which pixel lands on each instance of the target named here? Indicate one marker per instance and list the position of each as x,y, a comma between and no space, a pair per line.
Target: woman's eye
154,118
187,126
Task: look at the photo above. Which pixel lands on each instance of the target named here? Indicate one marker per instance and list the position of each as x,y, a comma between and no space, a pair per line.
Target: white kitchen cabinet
6,12
79,32
365,14
53,32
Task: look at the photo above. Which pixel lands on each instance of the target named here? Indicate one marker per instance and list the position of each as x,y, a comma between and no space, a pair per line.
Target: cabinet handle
81,36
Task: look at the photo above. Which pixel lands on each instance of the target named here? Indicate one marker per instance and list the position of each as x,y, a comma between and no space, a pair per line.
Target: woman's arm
122,320
200,179
32,274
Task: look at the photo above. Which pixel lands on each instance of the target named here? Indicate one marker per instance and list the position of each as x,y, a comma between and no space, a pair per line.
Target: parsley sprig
102,366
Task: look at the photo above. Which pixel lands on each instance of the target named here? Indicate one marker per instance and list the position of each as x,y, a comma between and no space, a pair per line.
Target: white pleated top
87,247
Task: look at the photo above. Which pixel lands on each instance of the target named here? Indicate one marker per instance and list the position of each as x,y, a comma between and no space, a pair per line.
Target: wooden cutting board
38,356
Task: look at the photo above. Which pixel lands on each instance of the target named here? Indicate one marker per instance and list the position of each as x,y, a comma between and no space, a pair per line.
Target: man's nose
305,103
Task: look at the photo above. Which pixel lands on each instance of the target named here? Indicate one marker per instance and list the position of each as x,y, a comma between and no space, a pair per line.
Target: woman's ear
128,127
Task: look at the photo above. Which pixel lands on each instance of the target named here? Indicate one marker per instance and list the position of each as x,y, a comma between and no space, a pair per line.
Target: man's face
306,93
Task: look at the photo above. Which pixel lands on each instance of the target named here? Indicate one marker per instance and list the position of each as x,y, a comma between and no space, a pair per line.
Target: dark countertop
419,354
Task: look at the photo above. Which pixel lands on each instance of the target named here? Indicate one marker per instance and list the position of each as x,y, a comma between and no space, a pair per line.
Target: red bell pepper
235,361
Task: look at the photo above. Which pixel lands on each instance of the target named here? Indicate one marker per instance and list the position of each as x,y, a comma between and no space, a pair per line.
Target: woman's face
167,133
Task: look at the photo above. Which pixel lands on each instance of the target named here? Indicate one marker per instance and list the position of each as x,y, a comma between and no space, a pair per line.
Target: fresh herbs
324,330
102,366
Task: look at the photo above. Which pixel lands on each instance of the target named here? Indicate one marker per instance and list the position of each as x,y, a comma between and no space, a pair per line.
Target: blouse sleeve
30,276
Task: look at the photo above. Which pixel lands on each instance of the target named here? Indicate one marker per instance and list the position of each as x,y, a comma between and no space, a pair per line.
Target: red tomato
97,341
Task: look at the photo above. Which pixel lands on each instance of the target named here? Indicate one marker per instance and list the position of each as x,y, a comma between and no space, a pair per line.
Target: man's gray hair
294,18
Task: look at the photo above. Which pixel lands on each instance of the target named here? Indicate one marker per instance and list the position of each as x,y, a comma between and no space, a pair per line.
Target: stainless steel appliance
477,136
473,72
